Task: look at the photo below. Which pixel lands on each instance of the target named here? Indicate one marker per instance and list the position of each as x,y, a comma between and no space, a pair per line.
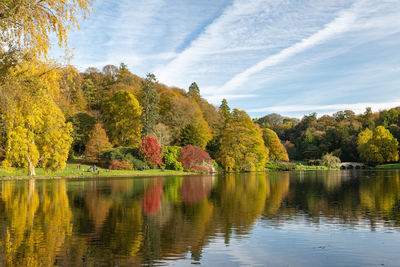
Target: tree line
369,137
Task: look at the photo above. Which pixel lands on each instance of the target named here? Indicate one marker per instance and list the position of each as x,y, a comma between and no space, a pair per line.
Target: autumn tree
98,142
36,130
377,146
149,101
178,112
27,25
151,151
121,115
276,150
242,146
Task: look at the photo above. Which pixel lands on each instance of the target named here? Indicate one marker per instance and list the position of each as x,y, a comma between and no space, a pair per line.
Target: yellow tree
27,25
121,115
36,130
276,150
377,146
242,146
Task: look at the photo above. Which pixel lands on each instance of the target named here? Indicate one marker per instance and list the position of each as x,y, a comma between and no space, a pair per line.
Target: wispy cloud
255,53
337,26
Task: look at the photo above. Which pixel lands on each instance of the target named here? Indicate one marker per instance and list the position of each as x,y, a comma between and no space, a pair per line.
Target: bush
122,154
119,153
282,166
118,165
151,151
330,160
139,165
196,159
171,158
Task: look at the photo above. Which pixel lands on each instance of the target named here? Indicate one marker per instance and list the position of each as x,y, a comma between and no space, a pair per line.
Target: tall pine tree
150,101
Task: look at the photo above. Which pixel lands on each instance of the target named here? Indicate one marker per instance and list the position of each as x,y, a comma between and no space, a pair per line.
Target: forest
52,112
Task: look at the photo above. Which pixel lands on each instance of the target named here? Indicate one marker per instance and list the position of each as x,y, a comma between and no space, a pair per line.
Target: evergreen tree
150,102
225,110
194,91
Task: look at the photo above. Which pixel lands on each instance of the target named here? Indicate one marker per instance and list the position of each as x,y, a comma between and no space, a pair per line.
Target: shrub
118,165
151,151
119,153
282,166
196,159
139,165
122,154
171,158
330,160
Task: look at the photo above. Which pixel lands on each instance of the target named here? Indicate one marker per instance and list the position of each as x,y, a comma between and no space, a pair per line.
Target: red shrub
118,165
151,151
196,159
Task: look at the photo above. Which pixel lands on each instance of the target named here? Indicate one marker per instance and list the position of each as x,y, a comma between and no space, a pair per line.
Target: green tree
276,150
377,146
330,160
367,119
242,146
388,117
150,101
82,125
121,115
191,136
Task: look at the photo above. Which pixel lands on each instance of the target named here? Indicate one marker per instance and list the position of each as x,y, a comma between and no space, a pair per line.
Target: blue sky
292,57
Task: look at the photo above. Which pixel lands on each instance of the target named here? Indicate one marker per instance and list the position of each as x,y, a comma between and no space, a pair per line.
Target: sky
291,57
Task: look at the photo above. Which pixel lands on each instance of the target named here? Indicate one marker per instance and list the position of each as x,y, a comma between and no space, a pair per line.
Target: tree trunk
31,169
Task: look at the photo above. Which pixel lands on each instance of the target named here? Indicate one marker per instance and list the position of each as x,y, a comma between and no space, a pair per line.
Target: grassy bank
389,166
72,171
287,166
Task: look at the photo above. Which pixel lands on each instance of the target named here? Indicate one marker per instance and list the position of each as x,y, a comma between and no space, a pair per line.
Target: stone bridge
352,165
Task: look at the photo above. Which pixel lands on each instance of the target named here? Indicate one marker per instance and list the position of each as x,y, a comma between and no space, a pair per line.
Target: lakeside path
71,171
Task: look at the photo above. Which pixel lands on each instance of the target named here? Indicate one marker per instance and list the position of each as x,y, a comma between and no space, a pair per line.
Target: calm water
338,218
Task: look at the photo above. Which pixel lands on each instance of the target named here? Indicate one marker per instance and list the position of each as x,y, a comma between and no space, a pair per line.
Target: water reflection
148,221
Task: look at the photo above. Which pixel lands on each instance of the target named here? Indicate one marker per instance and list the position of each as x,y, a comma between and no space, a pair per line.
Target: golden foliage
27,25
242,146
36,128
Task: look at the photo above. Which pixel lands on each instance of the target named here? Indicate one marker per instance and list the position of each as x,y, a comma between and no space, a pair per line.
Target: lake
302,218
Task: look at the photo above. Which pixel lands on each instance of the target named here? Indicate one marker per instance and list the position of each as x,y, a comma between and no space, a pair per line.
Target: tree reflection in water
145,221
